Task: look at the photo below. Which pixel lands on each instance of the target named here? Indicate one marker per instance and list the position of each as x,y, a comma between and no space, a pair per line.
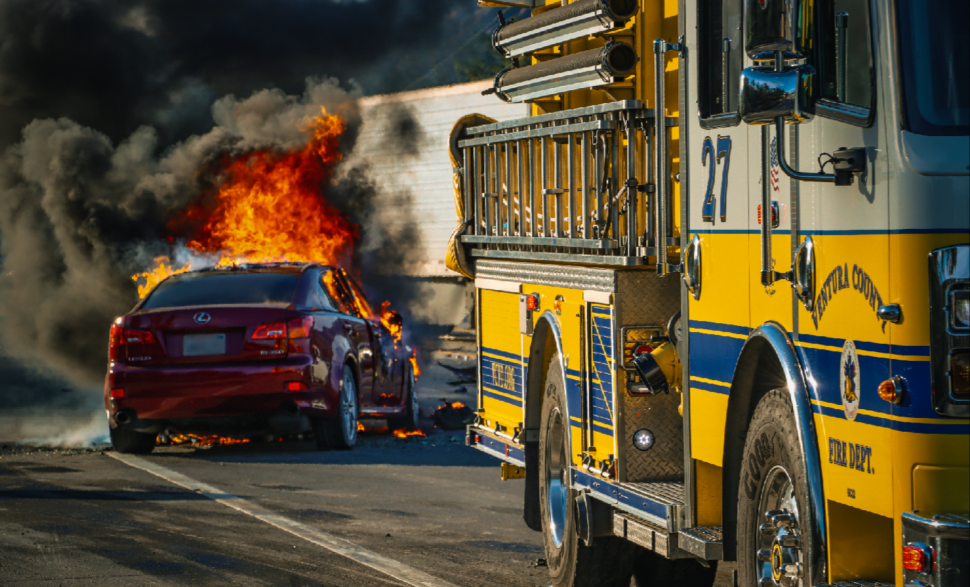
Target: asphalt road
433,506
391,512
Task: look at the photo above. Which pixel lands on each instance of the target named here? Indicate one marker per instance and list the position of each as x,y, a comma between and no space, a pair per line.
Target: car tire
653,570
128,441
411,419
606,561
340,433
772,480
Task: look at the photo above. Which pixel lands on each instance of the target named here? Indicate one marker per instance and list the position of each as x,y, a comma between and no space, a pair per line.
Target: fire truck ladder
564,187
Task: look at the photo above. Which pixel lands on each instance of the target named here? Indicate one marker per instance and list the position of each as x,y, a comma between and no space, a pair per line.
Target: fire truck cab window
720,49
851,19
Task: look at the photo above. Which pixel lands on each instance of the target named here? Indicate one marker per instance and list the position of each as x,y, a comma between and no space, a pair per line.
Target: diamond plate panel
665,493
644,298
663,462
856,584
555,275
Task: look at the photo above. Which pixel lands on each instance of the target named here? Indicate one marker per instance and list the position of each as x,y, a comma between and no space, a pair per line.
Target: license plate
200,345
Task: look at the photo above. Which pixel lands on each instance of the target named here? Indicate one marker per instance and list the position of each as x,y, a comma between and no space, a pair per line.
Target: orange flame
402,433
204,440
270,207
360,427
391,322
457,405
153,277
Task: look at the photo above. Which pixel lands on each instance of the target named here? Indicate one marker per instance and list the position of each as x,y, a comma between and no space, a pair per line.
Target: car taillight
918,557
121,336
300,327
270,331
296,386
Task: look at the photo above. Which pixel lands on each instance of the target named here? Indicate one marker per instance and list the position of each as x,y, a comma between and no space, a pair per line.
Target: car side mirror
768,94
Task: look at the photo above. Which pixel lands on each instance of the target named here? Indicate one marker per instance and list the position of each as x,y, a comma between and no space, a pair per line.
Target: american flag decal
775,185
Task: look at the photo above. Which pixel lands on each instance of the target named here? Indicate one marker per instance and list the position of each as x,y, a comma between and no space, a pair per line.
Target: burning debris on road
453,415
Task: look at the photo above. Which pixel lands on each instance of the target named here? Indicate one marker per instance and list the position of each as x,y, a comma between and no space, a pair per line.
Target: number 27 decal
723,151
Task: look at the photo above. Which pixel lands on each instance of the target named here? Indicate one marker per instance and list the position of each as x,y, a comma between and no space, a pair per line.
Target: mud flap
531,513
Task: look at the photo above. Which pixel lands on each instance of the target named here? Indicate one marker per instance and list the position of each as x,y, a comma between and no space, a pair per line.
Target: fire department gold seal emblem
849,380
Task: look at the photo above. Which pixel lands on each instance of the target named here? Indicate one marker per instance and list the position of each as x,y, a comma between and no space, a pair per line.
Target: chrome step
648,535
705,542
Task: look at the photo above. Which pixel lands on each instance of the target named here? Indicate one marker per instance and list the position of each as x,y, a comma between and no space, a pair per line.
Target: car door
387,381
357,327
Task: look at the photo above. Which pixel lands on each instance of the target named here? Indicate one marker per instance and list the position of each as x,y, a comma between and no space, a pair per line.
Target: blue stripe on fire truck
714,354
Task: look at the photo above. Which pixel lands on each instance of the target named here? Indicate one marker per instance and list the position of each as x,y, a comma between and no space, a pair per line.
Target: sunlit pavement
81,517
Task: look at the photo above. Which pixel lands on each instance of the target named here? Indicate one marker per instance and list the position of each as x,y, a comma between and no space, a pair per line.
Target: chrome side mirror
778,25
803,269
767,94
692,266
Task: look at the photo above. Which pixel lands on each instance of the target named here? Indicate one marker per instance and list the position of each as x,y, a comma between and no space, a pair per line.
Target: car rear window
201,289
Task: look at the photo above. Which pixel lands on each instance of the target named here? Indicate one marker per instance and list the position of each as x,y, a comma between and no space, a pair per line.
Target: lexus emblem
202,318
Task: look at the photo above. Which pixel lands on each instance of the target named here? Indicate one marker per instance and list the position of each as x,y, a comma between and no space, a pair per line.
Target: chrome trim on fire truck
498,285
814,519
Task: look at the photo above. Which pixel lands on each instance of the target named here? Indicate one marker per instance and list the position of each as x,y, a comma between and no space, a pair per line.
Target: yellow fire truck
722,286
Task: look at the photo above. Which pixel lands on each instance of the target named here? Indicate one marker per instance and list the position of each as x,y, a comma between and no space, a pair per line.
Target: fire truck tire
410,419
772,480
653,570
130,442
340,433
607,561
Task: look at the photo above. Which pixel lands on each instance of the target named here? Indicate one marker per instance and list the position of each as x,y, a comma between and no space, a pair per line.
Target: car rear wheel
410,419
340,432
130,442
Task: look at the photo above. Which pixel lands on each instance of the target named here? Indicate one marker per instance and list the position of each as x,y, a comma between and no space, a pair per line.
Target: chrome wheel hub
557,482
348,408
778,541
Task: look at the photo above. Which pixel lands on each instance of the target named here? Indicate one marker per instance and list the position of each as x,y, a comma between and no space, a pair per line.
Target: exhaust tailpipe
126,416
588,69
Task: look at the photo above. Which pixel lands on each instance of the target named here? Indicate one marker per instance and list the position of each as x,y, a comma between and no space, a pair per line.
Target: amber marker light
918,557
892,390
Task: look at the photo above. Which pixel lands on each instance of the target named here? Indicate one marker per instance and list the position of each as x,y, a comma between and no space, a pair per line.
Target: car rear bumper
208,393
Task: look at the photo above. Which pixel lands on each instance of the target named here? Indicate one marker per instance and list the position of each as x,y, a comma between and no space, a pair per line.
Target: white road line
332,543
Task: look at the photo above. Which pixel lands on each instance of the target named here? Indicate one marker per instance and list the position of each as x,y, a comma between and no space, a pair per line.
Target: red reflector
960,374
270,331
478,439
300,327
532,302
117,393
918,557
296,386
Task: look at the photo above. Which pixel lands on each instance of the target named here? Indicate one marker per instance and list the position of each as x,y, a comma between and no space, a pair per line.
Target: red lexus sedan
250,350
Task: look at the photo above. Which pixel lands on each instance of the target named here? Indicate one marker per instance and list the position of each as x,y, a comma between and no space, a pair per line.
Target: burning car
250,350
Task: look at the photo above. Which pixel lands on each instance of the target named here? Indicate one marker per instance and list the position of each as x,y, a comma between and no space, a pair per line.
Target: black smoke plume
109,122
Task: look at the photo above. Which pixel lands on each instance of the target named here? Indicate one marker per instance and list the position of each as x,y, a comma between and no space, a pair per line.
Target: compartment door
501,377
